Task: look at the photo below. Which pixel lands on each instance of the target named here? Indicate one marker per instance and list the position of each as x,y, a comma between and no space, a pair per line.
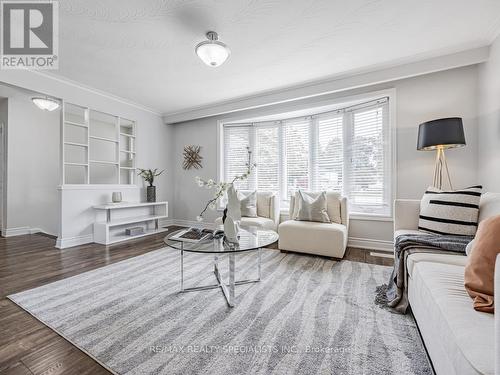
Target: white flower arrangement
221,187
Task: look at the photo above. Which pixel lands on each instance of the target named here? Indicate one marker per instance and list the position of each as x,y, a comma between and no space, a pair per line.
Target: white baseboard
366,243
166,222
382,254
20,231
63,243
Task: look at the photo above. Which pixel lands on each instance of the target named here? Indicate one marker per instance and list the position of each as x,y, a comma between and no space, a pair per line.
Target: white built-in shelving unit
111,228
98,156
97,147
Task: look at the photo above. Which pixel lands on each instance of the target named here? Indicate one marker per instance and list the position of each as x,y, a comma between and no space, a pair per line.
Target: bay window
346,150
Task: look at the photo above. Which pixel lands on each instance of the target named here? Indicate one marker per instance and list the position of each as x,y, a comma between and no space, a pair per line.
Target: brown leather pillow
480,269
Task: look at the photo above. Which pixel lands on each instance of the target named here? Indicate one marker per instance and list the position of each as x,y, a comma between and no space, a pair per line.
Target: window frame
388,131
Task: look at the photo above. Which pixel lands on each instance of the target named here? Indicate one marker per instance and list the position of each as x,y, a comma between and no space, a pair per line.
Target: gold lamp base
440,168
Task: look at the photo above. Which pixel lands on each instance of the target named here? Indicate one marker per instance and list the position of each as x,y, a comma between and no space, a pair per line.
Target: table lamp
439,135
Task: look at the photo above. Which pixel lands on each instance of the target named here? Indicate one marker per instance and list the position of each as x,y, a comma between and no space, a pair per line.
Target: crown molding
382,74
96,91
22,79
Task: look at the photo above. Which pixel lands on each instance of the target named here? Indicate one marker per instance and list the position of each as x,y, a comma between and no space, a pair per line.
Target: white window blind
367,169
330,153
296,140
267,155
236,141
347,150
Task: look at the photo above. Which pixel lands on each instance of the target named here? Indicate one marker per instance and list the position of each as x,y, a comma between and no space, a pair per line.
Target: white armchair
326,239
267,213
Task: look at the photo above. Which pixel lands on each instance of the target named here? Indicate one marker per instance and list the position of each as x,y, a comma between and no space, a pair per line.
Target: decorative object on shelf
116,197
192,157
149,176
46,103
135,231
150,193
233,208
439,135
212,51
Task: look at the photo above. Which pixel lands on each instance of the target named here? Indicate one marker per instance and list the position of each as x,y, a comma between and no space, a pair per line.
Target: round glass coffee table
251,239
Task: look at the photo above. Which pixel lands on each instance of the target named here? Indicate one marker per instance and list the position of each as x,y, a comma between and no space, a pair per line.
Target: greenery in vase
149,175
221,187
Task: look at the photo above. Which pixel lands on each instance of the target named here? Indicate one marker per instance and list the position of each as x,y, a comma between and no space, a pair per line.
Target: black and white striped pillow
450,212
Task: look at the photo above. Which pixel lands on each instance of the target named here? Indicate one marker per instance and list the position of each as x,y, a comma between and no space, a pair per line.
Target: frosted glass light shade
212,52
46,104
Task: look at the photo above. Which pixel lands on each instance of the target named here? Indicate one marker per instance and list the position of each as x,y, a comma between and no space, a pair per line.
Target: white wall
445,94
188,197
154,144
448,93
489,120
32,165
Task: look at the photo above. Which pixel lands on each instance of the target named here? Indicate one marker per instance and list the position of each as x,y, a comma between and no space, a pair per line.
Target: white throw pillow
332,201
248,202
264,208
450,212
312,208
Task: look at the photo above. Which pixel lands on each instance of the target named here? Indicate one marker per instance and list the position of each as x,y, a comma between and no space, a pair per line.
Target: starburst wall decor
192,157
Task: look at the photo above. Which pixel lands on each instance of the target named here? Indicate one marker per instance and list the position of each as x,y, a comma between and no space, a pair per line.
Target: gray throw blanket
395,295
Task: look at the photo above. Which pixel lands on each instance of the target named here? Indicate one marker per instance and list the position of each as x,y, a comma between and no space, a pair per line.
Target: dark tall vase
151,193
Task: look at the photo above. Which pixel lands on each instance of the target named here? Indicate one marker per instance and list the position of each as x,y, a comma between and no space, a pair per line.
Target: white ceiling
143,51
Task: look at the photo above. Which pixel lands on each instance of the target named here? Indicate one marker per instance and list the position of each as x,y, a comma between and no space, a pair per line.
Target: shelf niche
97,148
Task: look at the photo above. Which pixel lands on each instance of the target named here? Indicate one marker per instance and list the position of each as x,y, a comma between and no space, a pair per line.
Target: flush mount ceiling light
212,52
47,104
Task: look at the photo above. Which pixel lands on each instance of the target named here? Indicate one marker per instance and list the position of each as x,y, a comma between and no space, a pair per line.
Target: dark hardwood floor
29,347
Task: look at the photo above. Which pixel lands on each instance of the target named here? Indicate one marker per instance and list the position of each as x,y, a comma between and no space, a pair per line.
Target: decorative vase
231,230
151,194
232,215
116,197
233,204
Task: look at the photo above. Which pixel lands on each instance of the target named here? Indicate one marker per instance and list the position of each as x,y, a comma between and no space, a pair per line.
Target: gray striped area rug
307,316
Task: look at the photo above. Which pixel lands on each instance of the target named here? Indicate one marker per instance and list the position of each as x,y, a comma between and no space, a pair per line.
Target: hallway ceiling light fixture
46,104
212,51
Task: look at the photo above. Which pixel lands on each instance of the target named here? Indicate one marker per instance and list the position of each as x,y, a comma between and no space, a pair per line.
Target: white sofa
267,213
459,339
326,239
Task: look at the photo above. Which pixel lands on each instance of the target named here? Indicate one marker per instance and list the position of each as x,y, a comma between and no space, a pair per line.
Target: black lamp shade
443,132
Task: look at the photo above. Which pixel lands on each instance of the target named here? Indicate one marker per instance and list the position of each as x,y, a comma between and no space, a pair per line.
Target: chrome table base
227,289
